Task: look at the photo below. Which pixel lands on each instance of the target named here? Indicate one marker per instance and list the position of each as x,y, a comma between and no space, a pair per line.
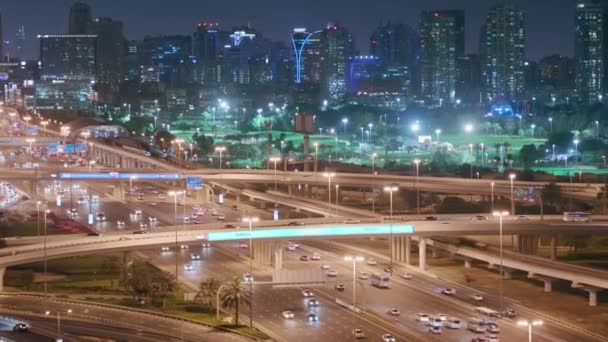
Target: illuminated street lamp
525,323
437,133
576,142
48,313
415,127
390,190
30,141
250,220
597,129
500,215
344,122
417,163
468,128
354,259
374,155
175,194
551,125
492,194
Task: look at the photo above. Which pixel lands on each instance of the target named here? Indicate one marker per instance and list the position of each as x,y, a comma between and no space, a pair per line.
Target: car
197,221
340,287
143,225
448,291
331,273
435,330
479,218
394,312
120,223
430,218
388,338
183,246
295,223
358,333
372,261
152,219
351,221
477,297
165,249
510,313
248,278
21,327
205,244
153,204
313,302
311,317
94,234
140,232
522,217
363,275
315,256
421,317
492,328
123,238
82,200
291,247
287,314
453,323
388,270
243,245
221,217
442,317
161,196
188,267
195,256
478,339
325,267
307,293
435,322
304,258
187,219
493,338
231,226
405,276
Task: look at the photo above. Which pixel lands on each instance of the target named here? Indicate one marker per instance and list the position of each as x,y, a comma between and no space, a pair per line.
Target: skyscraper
398,49
110,57
69,57
80,18
337,48
441,46
589,52
502,46
307,55
1,41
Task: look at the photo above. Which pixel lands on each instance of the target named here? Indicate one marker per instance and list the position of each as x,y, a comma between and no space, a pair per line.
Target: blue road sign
194,183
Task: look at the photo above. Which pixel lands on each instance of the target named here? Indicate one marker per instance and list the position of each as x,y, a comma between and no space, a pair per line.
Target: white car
287,314
372,262
315,256
152,219
183,246
453,323
388,338
477,297
435,322
313,302
205,244
137,212
435,330
195,256
442,317
493,338
165,249
331,273
363,275
307,293
449,291
221,217
358,333
325,267
394,312
291,247
421,317
248,278
493,328
143,225
406,276
120,224
188,268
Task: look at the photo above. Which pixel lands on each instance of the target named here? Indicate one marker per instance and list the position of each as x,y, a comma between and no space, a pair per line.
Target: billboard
304,123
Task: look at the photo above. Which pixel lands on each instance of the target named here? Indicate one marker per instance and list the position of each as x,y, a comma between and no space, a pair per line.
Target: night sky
550,23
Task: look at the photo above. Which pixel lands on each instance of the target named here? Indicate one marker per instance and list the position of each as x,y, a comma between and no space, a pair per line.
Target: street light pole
374,155
512,178
337,196
354,260
500,215
45,259
175,194
275,160
250,220
390,190
529,324
492,195
417,162
329,175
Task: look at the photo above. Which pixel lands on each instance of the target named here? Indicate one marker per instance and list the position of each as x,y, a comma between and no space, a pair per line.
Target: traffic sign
194,183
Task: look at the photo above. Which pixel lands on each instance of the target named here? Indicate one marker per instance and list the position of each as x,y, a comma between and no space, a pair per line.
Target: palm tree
231,295
163,284
207,292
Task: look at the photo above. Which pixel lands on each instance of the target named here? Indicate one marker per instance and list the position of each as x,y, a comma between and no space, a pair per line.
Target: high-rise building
441,46
80,18
397,47
307,55
468,85
207,41
557,71
69,57
110,58
589,52
1,41
363,72
239,54
163,54
337,48
502,47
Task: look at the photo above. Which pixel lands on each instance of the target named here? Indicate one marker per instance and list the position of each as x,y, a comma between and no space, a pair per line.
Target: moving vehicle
477,297
372,261
487,313
340,287
421,317
430,218
311,317
188,268
304,258
394,312
363,275
315,256
388,338
248,278
476,326
120,223
331,273
435,322
325,267
452,323
291,247
406,276
358,333
479,218
165,249
313,302
381,281
195,256
449,291
287,314
576,216
435,330
307,293
295,223
21,327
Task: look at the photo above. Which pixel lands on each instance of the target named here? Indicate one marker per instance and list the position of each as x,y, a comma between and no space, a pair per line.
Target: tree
552,194
207,292
231,296
138,279
204,144
529,154
163,284
163,139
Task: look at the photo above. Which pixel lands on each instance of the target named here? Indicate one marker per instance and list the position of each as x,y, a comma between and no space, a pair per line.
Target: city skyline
546,22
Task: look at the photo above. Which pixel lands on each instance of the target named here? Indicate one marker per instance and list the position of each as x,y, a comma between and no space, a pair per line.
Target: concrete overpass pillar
289,189
2,271
592,296
553,247
467,263
278,256
434,253
238,198
262,252
548,285
408,249
422,254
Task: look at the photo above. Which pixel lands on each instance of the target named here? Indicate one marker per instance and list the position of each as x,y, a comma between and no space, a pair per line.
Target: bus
576,216
381,281
487,313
